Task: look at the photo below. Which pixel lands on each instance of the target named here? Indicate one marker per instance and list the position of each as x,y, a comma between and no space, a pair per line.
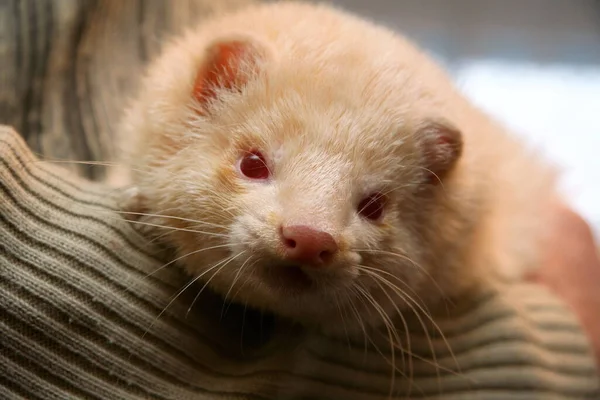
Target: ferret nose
307,245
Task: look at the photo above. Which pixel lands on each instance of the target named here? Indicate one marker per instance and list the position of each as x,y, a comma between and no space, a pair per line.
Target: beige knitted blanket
86,313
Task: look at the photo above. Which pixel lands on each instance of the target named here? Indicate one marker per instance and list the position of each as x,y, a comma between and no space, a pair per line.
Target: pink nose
307,245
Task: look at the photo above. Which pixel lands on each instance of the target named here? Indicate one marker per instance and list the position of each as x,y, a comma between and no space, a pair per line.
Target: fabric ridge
88,313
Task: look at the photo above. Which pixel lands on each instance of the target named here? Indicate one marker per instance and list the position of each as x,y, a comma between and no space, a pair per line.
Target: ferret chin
313,164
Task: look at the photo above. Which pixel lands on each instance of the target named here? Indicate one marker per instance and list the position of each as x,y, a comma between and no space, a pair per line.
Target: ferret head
301,157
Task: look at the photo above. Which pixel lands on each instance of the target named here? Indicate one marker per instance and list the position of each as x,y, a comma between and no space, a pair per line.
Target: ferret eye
254,166
371,207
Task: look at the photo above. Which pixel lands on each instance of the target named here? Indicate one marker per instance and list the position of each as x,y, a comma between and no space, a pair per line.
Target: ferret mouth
287,276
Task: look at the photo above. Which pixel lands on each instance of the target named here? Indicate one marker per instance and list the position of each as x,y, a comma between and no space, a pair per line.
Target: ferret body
308,161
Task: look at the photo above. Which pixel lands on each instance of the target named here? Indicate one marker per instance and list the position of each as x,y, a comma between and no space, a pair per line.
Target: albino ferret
308,162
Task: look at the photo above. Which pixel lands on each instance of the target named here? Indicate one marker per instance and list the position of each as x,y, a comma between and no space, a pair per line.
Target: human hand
571,268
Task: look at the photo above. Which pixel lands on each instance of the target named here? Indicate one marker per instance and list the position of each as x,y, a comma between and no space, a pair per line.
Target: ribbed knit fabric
79,309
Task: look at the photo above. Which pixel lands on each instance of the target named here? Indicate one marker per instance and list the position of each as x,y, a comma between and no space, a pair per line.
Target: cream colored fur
337,106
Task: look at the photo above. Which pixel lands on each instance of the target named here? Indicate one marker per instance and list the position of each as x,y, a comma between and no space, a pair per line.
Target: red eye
371,207
254,166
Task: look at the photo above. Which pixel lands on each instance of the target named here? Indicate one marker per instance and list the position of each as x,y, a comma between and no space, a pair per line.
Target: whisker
172,230
43,160
374,274
392,334
59,161
223,209
219,226
359,296
243,284
172,262
227,261
437,328
404,185
170,217
159,237
167,306
403,320
359,319
337,303
436,176
371,201
243,326
404,296
235,279
214,234
265,164
179,294
406,258
391,275
240,288
376,279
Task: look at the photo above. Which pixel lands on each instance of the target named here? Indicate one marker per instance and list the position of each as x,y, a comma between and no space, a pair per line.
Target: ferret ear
229,63
442,146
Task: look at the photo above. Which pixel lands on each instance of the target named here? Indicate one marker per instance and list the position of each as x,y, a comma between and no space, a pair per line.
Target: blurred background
533,64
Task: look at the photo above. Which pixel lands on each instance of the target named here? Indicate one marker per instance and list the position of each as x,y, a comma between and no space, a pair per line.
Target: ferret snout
308,245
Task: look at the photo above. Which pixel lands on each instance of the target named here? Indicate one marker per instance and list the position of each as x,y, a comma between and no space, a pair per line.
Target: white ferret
308,161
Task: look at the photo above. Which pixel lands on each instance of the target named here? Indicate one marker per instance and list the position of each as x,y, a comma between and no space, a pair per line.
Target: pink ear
228,65
443,146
